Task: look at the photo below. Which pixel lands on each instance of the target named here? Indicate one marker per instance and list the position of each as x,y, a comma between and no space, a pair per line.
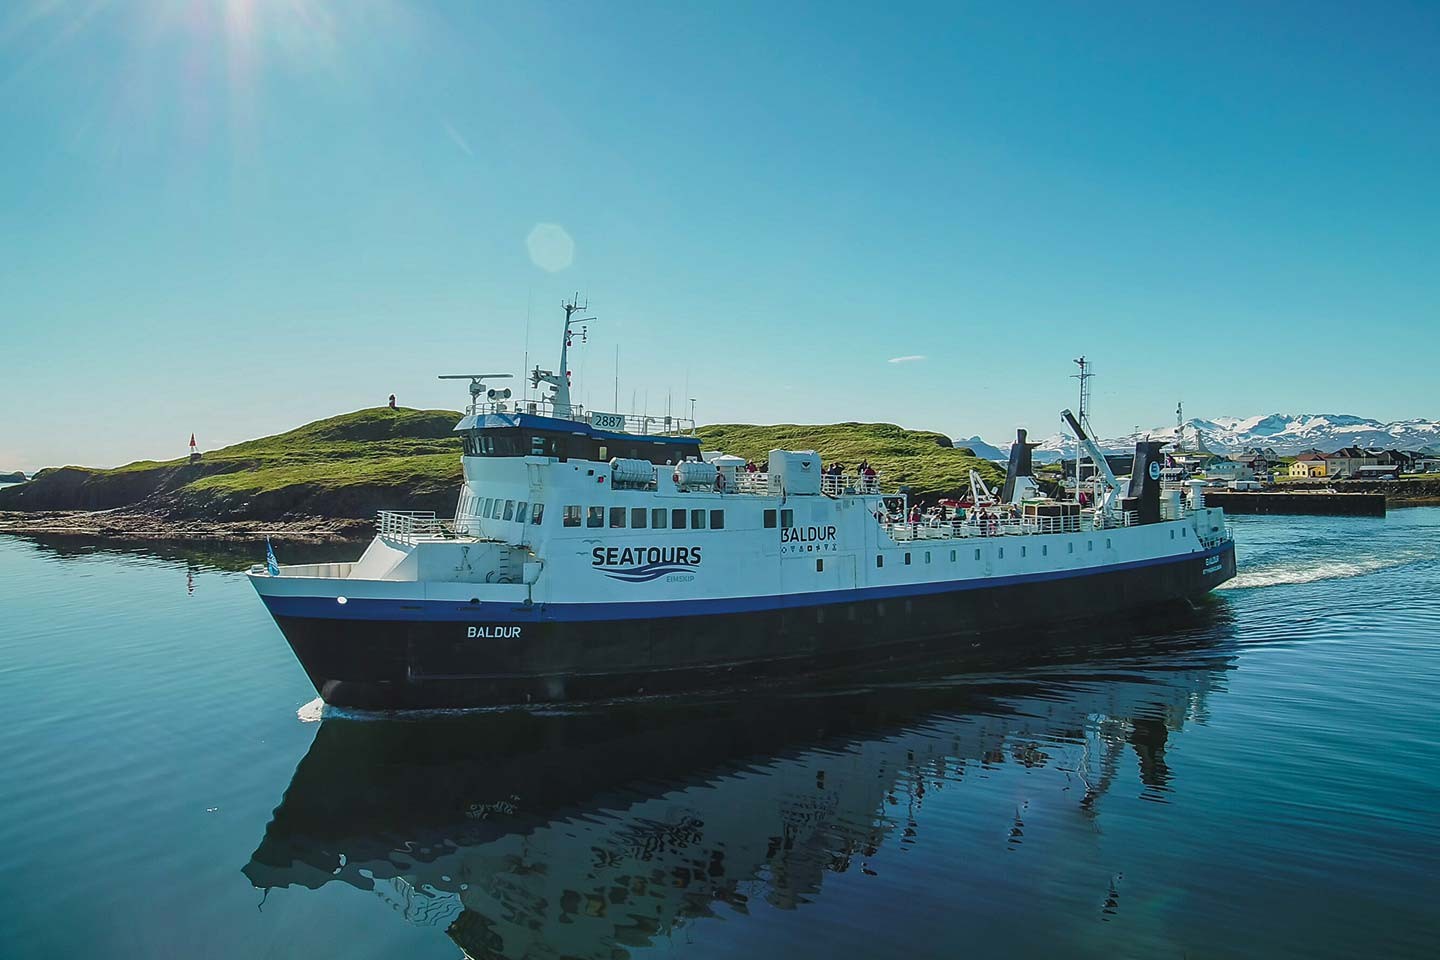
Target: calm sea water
1260,779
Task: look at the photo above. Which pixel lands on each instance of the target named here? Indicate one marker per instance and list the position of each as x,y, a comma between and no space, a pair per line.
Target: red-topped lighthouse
194,451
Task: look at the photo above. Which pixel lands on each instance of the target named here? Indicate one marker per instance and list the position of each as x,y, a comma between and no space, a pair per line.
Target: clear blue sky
230,218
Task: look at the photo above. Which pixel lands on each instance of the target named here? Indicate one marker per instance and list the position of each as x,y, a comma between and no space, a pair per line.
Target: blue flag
272,567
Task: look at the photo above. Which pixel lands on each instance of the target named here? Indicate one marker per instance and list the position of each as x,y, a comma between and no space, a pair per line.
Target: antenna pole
1083,417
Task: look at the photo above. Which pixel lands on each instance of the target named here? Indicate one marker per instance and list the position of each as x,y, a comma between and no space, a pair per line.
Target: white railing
611,422
746,482
833,485
407,526
1000,525
1126,518
1208,539
837,485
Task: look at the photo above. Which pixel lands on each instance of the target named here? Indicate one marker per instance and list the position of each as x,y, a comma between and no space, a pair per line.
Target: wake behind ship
599,554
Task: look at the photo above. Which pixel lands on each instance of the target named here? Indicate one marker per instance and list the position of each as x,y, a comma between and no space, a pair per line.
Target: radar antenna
477,387
559,383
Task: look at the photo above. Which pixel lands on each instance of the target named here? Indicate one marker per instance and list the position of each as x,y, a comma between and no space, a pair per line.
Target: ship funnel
1144,493
1021,465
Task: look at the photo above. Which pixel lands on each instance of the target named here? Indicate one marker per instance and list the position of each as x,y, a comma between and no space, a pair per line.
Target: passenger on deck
750,467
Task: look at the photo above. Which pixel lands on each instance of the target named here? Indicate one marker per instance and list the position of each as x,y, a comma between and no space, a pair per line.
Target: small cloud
909,358
458,140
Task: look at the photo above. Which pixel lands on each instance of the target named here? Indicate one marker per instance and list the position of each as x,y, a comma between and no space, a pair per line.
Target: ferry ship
597,554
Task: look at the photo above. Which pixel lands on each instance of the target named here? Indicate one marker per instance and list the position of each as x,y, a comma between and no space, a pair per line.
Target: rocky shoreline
131,525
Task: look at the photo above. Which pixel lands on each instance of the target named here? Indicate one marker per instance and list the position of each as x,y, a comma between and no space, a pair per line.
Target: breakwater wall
1311,502
1407,491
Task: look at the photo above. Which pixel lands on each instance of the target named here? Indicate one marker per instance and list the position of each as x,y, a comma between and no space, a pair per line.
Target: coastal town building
1257,463
1229,470
1345,462
1308,465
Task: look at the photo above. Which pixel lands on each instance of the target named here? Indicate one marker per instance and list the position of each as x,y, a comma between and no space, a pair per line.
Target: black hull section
432,664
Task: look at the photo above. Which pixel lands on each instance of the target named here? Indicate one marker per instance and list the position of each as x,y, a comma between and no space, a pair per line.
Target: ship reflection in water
589,833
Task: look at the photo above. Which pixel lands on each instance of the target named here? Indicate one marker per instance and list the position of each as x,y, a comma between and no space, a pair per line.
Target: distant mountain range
983,450
1286,434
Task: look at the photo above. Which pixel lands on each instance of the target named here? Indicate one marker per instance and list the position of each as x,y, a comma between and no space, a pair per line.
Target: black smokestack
1021,464
1145,480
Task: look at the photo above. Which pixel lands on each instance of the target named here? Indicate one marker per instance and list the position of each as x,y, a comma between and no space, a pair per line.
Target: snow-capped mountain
1286,434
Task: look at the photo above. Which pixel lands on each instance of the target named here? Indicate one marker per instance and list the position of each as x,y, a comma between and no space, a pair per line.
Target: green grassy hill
349,466
345,466
921,459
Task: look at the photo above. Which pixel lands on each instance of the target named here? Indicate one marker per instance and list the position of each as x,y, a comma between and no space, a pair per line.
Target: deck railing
407,526
611,422
833,485
1000,525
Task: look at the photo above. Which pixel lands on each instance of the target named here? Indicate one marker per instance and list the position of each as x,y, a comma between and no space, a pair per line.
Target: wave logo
644,564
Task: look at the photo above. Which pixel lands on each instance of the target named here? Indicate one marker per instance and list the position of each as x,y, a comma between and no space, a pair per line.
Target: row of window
639,518
515,442
496,508
1024,551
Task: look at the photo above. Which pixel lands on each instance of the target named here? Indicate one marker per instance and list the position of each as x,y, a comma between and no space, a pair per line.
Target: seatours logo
644,564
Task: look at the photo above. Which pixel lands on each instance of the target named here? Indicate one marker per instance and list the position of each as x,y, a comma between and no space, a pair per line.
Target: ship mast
1083,418
560,382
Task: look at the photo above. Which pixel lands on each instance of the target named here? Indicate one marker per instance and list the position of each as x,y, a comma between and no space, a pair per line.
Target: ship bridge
517,430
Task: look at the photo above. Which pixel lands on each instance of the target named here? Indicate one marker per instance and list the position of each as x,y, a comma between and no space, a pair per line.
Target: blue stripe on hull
360,608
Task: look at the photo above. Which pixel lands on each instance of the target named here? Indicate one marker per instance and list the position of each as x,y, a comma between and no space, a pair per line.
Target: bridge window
520,509
717,519
617,517
489,504
677,519
637,518
595,517
769,518
658,516
787,518
537,513
697,519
